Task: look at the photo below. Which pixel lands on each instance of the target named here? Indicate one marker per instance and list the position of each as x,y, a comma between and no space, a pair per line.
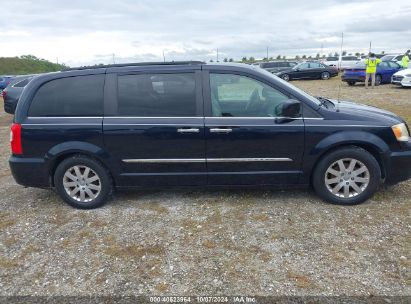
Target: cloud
87,32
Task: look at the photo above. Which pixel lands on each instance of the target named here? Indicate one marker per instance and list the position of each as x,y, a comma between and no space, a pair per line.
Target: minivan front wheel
347,176
82,182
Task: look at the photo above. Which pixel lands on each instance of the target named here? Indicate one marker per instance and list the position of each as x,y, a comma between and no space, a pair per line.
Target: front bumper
398,166
30,172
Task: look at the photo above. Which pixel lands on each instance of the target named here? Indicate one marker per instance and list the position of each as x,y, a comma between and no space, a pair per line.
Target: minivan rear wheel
347,176
82,182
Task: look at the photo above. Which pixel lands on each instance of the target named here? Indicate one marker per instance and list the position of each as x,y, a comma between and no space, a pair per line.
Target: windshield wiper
325,101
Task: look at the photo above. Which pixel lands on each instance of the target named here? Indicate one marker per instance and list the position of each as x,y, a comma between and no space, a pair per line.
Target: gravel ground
203,242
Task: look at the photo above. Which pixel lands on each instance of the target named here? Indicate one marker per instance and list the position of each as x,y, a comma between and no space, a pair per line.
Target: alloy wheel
325,75
347,178
82,183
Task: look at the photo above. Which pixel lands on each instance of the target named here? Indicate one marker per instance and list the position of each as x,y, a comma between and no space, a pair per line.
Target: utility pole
322,48
342,43
114,61
370,47
267,53
217,54
164,57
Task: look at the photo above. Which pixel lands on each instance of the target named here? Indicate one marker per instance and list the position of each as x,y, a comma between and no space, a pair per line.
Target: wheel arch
369,142
69,149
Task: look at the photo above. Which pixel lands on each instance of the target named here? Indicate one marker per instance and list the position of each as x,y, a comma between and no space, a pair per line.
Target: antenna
341,51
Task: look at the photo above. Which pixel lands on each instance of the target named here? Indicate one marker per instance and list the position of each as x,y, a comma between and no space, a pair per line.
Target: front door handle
221,130
190,130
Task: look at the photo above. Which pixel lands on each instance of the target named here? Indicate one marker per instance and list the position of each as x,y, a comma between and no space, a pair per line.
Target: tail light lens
3,94
15,139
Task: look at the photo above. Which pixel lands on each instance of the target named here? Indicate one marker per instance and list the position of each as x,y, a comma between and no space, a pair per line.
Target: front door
247,142
156,136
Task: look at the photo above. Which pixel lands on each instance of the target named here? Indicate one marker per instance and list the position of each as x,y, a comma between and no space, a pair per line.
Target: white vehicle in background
341,62
402,78
392,57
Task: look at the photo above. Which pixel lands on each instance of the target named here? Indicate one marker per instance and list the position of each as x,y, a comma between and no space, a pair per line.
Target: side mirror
291,108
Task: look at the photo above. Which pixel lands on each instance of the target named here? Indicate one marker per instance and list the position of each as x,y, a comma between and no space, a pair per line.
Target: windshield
294,88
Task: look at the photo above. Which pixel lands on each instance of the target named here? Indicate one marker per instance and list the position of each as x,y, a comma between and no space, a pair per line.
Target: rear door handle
221,130
190,130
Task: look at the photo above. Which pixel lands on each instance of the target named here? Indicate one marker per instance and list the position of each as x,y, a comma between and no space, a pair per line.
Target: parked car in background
392,57
385,70
12,92
402,78
277,66
5,81
341,63
308,70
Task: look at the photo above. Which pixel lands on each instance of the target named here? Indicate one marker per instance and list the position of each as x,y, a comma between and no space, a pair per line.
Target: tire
285,77
325,181
351,83
69,176
378,80
325,75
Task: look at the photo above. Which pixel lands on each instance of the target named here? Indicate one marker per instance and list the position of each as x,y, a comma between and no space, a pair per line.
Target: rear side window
157,95
22,84
72,96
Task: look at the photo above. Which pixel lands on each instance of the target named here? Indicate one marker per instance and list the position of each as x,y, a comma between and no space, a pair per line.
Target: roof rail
134,64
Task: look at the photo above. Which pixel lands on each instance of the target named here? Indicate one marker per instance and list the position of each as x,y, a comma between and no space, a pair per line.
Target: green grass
27,64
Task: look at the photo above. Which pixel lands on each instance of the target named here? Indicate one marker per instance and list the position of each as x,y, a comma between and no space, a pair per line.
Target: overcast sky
79,32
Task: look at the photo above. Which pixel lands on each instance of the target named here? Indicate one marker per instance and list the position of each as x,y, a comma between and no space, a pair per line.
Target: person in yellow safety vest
371,68
405,60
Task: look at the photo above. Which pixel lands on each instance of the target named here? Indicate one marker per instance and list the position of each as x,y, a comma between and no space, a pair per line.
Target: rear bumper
353,78
30,172
398,166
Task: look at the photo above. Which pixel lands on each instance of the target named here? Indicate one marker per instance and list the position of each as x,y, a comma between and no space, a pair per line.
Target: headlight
401,132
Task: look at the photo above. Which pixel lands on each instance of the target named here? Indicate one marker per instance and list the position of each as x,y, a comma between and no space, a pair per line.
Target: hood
403,72
366,112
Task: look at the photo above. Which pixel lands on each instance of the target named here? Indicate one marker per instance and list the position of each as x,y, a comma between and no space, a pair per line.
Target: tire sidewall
106,185
357,153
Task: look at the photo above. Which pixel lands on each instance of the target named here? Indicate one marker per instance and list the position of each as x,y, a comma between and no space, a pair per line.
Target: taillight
3,94
15,139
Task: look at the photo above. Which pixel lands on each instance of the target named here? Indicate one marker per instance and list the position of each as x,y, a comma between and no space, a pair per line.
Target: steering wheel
254,101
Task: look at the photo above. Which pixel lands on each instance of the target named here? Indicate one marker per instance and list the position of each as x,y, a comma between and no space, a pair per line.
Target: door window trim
111,93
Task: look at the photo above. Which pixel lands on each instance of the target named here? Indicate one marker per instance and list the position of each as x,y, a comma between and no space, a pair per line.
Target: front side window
71,96
157,95
241,96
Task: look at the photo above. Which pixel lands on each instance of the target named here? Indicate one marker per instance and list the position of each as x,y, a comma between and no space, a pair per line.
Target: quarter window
241,96
157,95
71,96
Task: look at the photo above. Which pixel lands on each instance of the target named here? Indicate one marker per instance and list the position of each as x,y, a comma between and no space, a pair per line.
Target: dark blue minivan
87,131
